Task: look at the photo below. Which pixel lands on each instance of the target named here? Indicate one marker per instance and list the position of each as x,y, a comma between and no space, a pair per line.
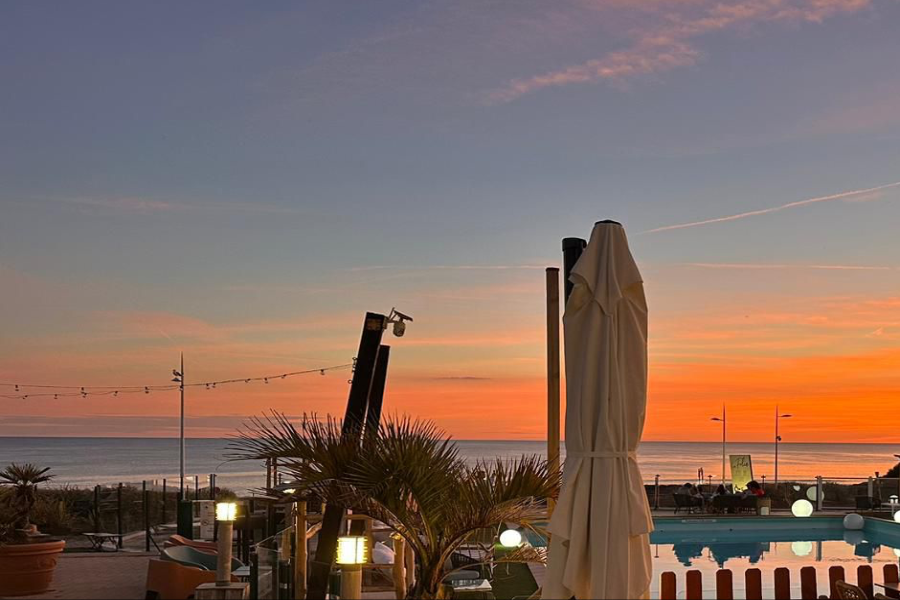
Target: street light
724,422
778,417
179,378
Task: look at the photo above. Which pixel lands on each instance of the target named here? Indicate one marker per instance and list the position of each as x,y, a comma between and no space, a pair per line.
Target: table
231,591
891,587
98,539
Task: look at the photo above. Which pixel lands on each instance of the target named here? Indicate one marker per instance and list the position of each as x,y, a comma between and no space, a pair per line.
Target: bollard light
226,512
351,555
351,550
510,539
802,508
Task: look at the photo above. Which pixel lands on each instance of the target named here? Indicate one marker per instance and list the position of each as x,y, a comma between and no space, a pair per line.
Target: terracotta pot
27,569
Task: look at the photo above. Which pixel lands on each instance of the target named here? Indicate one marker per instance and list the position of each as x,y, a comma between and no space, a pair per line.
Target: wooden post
552,377
753,584
782,583
119,515
410,566
97,520
145,505
399,574
300,525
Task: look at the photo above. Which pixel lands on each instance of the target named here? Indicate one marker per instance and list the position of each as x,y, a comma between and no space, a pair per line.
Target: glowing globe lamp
897,516
813,494
510,539
802,508
854,522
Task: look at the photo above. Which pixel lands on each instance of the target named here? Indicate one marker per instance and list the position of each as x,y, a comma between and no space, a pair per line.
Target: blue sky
231,165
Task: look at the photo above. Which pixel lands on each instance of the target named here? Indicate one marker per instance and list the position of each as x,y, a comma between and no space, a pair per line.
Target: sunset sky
242,181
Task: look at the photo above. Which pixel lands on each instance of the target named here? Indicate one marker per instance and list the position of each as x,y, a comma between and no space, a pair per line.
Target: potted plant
411,478
27,558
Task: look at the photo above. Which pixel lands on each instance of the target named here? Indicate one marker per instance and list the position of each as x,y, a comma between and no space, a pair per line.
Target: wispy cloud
784,266
124,204
669,41
774,209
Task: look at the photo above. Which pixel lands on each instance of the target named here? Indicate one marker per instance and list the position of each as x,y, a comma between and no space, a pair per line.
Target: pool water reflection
739,544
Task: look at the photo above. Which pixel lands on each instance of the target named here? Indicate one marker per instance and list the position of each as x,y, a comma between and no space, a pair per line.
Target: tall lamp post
778,417
722,419
179,378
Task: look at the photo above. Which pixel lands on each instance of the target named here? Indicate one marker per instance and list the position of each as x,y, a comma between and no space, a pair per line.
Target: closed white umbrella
600,545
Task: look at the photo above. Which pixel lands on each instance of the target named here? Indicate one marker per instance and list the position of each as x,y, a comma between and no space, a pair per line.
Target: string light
108,390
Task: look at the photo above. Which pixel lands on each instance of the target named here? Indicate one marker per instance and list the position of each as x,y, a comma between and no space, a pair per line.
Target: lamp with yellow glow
351,555
226,513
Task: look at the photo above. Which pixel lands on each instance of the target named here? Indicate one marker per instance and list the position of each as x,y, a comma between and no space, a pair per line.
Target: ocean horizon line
472,440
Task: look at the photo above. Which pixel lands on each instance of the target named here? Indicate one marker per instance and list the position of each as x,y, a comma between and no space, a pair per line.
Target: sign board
207,518
741,471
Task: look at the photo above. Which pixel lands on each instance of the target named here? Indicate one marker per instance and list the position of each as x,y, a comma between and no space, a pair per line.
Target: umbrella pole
572,249
552,377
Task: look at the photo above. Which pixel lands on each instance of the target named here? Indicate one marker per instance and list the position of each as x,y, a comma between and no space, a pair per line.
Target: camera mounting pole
354,420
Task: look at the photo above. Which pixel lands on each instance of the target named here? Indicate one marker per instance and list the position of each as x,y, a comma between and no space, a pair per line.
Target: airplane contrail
765,211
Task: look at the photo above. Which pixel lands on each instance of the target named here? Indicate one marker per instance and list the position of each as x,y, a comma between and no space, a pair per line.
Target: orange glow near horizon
833,361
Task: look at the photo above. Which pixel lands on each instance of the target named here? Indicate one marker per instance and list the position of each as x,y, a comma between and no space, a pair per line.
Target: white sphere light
897,552
813,494
802,549
510,539
802,508
897,516
854,522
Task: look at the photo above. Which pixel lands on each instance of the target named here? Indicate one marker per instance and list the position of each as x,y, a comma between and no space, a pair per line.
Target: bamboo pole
399,574
300,543
552,376
410,566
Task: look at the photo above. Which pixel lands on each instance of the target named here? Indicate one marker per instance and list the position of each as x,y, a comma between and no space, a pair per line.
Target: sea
87,462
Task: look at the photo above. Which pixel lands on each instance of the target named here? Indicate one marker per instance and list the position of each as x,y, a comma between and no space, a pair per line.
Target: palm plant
408,476
23,480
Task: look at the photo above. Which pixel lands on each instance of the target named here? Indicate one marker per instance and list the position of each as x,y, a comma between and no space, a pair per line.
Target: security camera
399,320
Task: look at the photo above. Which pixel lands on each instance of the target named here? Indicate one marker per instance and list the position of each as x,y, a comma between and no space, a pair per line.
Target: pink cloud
669,42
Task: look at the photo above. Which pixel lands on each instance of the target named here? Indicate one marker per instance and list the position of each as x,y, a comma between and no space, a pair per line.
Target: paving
101,576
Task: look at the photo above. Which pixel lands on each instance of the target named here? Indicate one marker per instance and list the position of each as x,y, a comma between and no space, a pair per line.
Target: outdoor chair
179,540
846,591
168,580
191,557
685,502
867,503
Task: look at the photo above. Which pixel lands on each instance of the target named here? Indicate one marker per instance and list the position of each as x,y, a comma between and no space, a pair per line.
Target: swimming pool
709,544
